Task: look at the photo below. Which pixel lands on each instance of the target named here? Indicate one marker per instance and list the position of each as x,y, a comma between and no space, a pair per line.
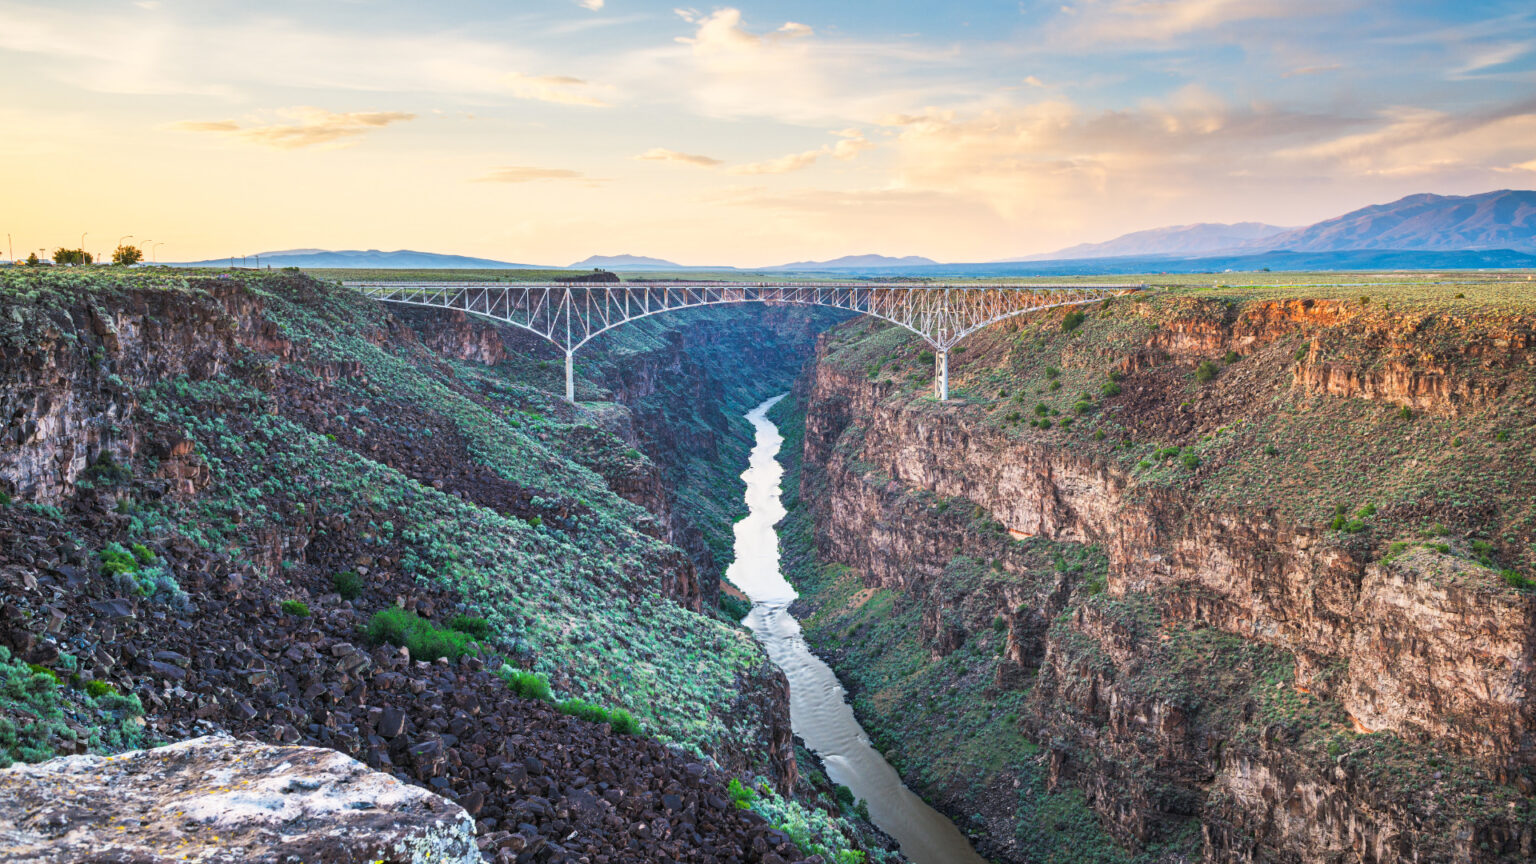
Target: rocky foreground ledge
215,799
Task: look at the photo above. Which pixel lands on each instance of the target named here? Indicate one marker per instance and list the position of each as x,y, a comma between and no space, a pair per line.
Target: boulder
215,799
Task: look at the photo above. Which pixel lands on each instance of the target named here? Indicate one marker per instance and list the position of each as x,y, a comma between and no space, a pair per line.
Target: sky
544,131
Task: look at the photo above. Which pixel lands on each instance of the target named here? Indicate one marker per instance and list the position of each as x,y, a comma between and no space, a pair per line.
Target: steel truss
571,314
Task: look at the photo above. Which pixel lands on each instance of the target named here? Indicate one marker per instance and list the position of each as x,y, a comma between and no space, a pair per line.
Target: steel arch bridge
570,314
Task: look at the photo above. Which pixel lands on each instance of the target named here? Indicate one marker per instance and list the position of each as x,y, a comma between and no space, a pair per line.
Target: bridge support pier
570,378
941,375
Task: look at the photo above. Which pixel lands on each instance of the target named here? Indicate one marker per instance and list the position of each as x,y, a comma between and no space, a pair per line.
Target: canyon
1200,574
1148,600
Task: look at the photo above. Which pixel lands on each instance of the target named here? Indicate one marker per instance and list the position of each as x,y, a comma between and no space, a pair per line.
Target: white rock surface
216,799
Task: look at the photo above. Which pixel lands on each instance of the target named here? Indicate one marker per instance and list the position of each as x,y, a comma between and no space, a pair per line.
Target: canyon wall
1298,691
214,488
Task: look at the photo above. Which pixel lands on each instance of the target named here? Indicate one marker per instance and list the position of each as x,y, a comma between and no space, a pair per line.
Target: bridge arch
571,314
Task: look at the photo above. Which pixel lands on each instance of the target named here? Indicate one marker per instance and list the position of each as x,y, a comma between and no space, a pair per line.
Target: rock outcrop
220,800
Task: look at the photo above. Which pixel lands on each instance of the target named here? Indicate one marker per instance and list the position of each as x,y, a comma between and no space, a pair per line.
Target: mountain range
372,259
1494,229
1194,239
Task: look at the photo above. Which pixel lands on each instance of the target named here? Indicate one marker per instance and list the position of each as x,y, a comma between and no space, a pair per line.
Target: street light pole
152,258
82,248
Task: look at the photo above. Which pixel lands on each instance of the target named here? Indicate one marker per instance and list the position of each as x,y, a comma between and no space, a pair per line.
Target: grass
296,608
620,720
528,685
425,640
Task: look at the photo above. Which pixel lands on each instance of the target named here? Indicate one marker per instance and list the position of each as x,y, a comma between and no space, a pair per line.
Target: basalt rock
220,800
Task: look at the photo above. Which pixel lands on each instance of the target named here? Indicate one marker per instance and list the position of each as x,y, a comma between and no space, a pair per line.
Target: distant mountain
1277,260
371,259
1493,220
1200,238
858,262
626,262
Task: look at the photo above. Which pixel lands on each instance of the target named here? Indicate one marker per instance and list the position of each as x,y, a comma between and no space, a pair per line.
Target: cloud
524,174
1488,56
781,165
787,71
206,126
662,154
1410,141
1091,22
594,5
309,127
852,144
559,89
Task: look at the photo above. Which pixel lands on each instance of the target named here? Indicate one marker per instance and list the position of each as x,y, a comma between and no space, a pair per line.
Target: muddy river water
818,710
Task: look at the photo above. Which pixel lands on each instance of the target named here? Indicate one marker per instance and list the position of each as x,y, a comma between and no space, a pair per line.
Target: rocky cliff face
1343,660
213,490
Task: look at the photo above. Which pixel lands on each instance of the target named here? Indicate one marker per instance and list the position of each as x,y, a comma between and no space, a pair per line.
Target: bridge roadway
570,314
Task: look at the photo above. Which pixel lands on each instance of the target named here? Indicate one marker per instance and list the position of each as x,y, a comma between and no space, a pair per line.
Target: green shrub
1073,320
528,685
741,796
1116,375
925,356
1191,461
620,720
1231,357
5,498
1405,412
142,554
1082,406
734,608
1110,388
1054,386
1301,353
1043,409
999,623
1271,450
1052,373
1013,417
106,471
46,672
1098,435
116,560
476,627
1519,581
1205,372
1501,435
425,640
296,608
843,794
348,584
97,688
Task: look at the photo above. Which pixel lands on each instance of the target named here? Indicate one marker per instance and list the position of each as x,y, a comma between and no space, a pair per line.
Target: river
818,710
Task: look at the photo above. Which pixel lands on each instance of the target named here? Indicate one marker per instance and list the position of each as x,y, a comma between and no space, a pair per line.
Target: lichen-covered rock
215,799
